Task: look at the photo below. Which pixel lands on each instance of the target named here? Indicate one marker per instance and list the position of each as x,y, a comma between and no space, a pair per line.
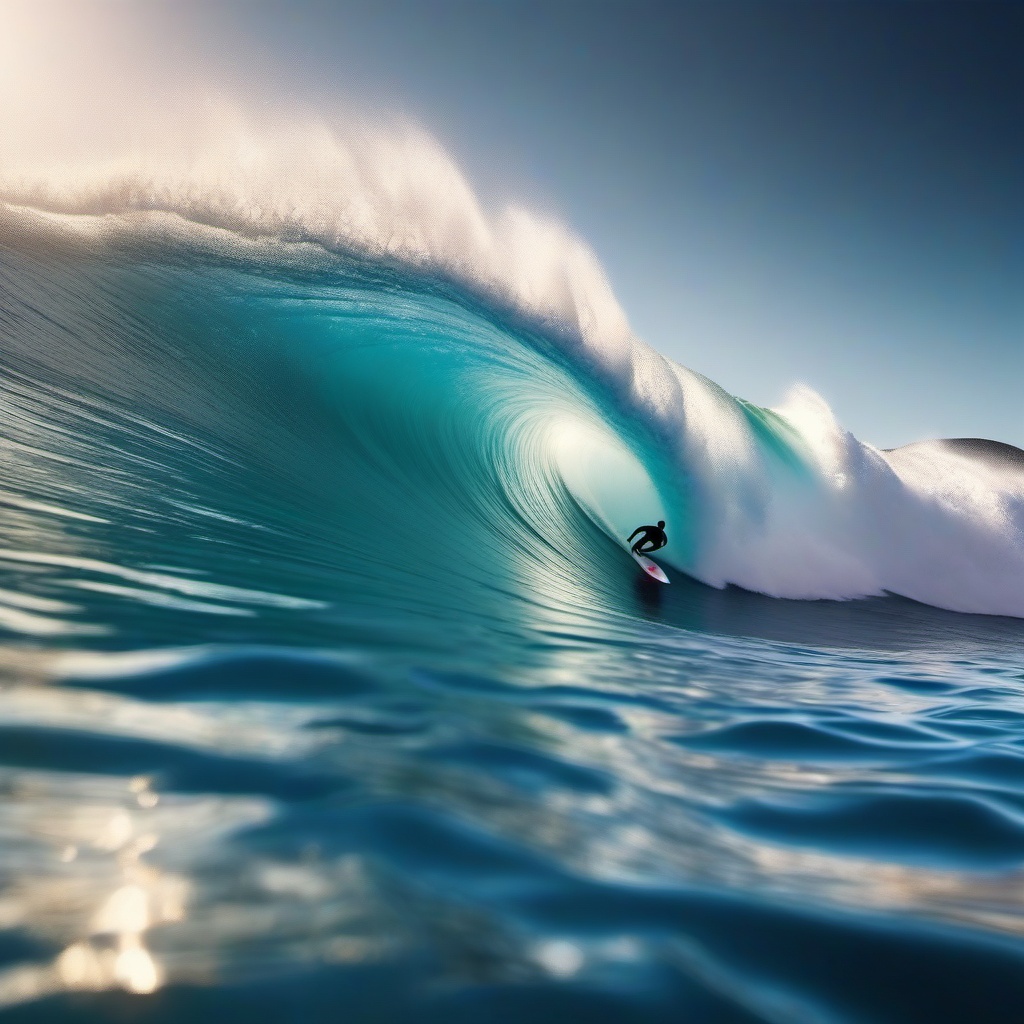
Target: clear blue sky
827,192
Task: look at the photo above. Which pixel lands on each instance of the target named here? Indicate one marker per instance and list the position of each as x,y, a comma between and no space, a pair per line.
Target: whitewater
328,680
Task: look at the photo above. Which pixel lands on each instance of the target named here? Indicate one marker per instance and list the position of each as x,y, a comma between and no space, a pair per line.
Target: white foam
925,522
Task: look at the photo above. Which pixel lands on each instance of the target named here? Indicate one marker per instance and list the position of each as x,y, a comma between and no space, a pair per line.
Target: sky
823,192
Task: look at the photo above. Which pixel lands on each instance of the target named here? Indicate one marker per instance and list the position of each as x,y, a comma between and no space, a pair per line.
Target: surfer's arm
639,529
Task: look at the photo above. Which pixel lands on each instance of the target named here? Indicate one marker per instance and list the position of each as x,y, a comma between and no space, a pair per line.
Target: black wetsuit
653,535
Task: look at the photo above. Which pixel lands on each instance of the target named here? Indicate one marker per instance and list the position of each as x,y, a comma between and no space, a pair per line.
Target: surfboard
652,569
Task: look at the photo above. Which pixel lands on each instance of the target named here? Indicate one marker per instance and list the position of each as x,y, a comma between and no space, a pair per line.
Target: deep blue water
330,694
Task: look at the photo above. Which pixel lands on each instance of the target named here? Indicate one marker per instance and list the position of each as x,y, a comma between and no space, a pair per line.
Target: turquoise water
330,691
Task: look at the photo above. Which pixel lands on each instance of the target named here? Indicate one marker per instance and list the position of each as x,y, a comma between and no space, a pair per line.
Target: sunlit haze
826,194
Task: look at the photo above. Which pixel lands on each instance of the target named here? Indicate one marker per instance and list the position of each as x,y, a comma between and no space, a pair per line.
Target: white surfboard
652,569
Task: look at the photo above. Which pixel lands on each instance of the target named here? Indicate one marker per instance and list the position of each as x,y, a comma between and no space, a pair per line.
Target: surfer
653,535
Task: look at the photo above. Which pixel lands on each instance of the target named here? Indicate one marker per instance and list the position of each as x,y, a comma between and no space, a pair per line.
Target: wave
327,678
326,334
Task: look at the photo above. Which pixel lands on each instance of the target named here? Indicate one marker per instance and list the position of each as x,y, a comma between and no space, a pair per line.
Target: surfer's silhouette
652,535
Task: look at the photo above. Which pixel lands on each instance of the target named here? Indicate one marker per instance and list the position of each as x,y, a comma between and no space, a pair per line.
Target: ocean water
329,690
